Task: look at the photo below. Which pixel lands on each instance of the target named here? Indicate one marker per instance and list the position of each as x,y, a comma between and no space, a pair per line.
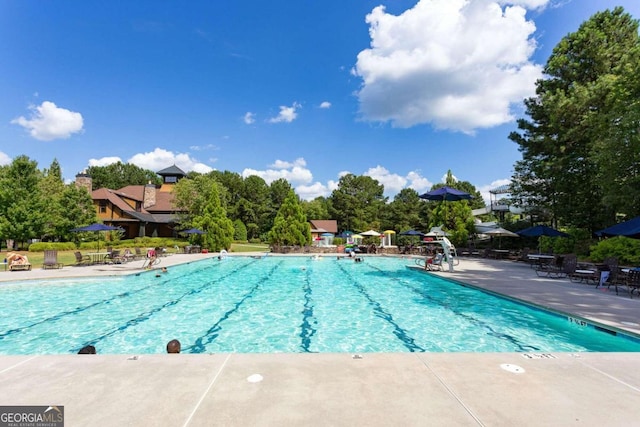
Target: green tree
22,207
200,199
455,216
240,231
406,211
571,118
213,220
118,175
357,202
317,208
253,207
52,187
290,226
78,211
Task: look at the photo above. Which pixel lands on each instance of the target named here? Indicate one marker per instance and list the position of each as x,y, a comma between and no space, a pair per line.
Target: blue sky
398,90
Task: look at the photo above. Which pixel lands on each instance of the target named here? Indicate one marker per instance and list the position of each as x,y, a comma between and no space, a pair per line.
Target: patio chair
51,260
561,266
632,281
82,259
114,257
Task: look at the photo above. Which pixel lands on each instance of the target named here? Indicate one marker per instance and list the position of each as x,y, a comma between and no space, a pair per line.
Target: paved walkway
372,389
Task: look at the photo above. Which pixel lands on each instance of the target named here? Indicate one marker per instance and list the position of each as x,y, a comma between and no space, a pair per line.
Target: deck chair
82,259
561,266
18,262
51,260
114,257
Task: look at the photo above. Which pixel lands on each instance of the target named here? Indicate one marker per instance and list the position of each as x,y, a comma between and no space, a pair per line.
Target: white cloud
456,64
160,158
295,172
104,161
325,104
392,182
49,122
281,164
249,118
157,160
4,159
310,192
418,182
287,114
484,190
204,147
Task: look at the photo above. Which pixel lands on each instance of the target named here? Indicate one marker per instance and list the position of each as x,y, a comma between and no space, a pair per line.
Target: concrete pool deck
385,389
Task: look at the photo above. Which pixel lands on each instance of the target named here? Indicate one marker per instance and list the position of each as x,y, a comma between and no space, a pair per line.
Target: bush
627,250
52,246
258,241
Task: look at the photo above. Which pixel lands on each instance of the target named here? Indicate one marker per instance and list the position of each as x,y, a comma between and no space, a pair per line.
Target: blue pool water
282,304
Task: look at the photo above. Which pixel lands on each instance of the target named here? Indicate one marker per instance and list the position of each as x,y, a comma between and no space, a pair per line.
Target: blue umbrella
412,233
629,228
96,227
446,194
541,230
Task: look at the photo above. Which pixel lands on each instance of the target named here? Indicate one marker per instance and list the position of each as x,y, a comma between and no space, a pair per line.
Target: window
170,179
103,206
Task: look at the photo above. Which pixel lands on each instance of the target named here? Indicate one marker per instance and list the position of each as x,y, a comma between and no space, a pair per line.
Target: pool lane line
76,310
398,331
308,318
201,342
147,315
477,322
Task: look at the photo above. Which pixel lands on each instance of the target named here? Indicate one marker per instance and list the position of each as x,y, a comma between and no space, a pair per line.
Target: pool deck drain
438,389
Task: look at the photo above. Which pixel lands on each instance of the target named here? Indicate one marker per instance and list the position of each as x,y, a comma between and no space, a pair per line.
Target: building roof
172,170
327,225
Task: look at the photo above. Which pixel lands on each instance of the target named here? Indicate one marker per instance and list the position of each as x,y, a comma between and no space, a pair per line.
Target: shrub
627,250
52,246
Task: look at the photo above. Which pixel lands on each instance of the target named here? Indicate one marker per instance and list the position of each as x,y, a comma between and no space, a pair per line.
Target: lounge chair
18,262
560,266
51,260
82,259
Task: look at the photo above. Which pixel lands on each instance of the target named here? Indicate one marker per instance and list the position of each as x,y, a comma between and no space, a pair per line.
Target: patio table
97,257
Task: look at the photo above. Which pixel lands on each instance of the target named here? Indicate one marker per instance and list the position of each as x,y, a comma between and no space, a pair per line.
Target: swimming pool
282,304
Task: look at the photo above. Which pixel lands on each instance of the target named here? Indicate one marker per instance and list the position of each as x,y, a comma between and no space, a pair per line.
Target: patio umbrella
411,233
445,194
499,232
541,230
629,228
97,227
372,233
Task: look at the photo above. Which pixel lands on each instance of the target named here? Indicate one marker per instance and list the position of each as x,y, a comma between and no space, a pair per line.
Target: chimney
149,195
83,180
